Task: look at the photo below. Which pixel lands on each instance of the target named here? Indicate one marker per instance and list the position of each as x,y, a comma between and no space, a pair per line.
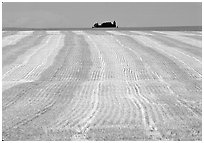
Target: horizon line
171,28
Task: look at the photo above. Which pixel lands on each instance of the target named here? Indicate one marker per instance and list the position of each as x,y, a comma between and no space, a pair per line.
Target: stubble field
101,85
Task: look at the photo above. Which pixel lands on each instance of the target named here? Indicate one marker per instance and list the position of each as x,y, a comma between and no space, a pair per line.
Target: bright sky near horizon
79,14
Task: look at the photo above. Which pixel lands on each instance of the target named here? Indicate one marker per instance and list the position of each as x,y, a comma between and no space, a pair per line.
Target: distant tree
96,25
114,23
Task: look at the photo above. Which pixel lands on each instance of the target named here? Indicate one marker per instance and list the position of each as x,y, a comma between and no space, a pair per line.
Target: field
101,85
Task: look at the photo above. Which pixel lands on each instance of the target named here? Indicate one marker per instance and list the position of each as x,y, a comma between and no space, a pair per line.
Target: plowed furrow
65,118
144,100
92,113
102,85
19,91
141,69
193,70
30,66
27,57
115,105
16,93
74,67
85,122
106,110
148,120
44,95
13,39
43,100
11,53
115,114
77,101
118,105
177,44
158,114
188,58
189,41
75,105
48,99
150,43
151,110
175,71
40,96
126,113
83,107
126,75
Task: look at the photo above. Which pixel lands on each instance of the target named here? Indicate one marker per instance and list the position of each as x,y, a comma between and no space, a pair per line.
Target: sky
84,15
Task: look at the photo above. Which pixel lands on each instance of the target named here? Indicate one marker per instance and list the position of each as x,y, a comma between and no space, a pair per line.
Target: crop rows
190,41
35,61
103,85
13,39
12,52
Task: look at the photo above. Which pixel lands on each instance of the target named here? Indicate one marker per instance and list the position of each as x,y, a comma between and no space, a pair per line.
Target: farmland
101,85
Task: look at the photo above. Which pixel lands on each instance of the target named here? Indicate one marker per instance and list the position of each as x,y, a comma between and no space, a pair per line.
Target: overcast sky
65,15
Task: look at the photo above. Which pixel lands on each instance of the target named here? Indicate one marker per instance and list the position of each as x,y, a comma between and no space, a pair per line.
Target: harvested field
101,85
